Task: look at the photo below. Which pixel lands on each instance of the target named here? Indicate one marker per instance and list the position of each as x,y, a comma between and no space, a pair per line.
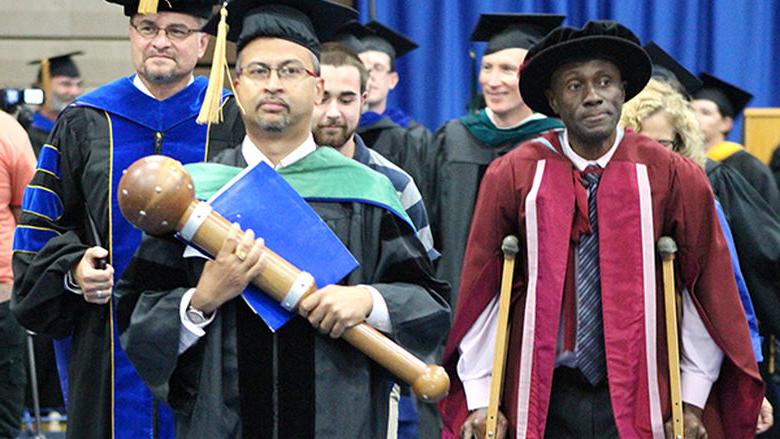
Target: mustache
331,124
272,100
152,53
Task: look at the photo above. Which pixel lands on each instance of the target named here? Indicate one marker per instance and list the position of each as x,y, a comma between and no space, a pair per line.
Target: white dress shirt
142,87
700,358
379,317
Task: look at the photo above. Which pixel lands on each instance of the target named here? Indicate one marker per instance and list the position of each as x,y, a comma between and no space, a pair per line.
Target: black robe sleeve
40,301
423,139
434,159
415,299
148,298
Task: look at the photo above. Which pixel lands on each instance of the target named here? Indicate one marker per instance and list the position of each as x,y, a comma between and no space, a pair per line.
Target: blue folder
261,200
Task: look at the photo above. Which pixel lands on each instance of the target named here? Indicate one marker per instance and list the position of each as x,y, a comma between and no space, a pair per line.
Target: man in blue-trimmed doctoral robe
70,209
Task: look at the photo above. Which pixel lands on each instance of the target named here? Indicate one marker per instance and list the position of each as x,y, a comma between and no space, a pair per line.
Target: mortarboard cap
350,35
197,8
669,66
731,100
384,39
513,31
305,22
60,65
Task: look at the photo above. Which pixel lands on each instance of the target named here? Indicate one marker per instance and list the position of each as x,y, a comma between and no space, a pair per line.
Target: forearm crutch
667,248
510,248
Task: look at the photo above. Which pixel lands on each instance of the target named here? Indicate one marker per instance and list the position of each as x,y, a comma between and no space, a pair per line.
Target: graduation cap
383,39
60,65
198,8
513,31
729,98
666,67
597,39
350,35
304,22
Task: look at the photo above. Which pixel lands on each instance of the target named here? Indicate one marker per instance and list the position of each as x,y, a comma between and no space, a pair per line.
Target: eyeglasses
673,144
377,68
285,73
175,32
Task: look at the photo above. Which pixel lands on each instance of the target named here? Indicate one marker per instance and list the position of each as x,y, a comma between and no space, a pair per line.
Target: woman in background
666,116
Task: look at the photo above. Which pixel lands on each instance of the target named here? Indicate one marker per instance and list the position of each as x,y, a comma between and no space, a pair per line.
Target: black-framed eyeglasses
285,73
673,144
176,32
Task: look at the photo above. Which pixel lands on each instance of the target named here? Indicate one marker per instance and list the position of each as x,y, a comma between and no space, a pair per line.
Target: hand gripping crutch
510,248
667,248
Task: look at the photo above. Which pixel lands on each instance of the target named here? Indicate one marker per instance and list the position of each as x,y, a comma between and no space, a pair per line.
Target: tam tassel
148,6
46,81
211,110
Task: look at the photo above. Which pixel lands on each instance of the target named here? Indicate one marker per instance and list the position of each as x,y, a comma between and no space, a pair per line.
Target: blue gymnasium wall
737,40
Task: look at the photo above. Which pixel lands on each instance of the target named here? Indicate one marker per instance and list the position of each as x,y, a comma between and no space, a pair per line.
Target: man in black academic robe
756,233
463,148
717,104
71,219
379,49
198,345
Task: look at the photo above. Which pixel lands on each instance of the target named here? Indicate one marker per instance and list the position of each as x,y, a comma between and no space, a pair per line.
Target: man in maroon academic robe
587,350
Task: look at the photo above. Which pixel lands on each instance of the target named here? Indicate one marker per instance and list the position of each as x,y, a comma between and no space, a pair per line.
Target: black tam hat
598,39
197,8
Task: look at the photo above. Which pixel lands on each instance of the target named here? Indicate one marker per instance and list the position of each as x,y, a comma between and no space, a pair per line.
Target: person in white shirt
587,353
72,242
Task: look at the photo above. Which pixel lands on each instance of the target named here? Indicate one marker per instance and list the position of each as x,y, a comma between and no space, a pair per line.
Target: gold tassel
211,110
46,81
147,6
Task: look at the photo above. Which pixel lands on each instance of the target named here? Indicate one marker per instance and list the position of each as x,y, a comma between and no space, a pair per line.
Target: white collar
143,89
253,155
582,163
492,116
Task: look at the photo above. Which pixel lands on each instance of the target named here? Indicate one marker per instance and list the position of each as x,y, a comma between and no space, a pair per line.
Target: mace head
154,192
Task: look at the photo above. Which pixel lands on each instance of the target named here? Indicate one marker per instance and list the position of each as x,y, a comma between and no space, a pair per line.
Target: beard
163,75
272,122
57,103
336,140
274,126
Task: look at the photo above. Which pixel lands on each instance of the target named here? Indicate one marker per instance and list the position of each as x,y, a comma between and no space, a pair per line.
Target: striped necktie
590,332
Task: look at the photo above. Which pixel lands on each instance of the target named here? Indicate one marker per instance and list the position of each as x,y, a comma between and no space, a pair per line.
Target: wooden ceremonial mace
667,248
156,195
510,247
